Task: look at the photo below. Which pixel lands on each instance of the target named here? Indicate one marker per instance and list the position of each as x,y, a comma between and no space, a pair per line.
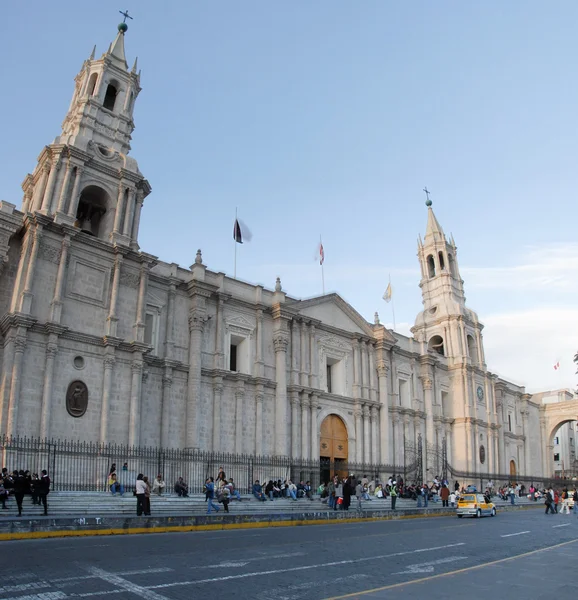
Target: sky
328,118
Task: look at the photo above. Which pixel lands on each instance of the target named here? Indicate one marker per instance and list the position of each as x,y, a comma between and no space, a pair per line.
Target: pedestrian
140,489
147,498
425,490
20,485
564,504
445,495
210,487
453,499
348,490
44,490
575,498
393,494
549,501
359,496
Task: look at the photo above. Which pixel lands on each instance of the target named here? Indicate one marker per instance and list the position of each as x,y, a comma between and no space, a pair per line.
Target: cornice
16,319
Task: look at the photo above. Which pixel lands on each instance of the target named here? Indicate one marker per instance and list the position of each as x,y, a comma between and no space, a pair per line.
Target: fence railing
84,466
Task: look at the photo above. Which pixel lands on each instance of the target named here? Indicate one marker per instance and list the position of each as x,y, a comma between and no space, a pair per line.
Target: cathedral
104,342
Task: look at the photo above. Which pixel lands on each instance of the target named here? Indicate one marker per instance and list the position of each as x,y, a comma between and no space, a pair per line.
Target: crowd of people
19,484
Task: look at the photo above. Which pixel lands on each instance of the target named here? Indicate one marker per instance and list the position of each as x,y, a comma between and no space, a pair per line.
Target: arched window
130,102
92,84
472,350
436,344
110,97
442,263
431,267
91,210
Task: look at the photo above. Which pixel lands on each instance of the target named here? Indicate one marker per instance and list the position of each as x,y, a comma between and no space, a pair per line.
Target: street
441,556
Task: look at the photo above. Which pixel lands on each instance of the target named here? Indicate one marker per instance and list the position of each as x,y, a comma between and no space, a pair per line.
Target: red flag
321,254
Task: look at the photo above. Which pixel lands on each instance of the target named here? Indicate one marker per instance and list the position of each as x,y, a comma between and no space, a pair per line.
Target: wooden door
513,471
333,442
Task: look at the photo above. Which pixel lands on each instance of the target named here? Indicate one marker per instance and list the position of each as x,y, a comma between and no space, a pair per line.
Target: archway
333,447
513,472
561,450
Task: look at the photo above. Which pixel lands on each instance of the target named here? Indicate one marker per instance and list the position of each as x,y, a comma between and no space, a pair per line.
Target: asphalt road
516,554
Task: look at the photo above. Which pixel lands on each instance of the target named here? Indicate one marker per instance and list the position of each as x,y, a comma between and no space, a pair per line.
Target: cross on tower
125,15
426,192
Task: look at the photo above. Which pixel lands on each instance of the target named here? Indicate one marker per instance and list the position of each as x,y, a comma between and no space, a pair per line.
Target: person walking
445,495
20,486
147,498
348,490
44,490
140,490
210,487
393,494
564,503
359,496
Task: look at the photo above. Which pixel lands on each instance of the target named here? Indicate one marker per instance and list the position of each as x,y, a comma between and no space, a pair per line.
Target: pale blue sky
329,117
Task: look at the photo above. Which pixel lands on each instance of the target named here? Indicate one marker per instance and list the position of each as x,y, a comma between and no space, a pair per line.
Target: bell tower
86,177
445,326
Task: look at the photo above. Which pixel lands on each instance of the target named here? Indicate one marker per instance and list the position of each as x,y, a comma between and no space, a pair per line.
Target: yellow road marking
457,572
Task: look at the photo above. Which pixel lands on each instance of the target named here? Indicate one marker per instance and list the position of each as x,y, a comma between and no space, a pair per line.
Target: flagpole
235,242
392,303
322,268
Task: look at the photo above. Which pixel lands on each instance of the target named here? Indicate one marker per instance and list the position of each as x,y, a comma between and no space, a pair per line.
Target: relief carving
77,399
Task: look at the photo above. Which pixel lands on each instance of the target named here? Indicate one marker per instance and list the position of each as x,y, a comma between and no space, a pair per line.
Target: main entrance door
333,448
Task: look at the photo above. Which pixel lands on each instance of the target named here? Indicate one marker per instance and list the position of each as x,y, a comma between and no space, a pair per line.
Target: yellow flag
387,295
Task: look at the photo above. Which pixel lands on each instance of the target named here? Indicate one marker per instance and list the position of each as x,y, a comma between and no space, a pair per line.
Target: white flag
387,295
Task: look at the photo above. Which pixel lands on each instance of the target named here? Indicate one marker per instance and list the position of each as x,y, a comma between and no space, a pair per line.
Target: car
475,505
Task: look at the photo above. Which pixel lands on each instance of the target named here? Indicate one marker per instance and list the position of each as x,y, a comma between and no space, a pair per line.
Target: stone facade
191,358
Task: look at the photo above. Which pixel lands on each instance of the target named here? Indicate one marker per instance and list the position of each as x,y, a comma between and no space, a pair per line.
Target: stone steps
103,504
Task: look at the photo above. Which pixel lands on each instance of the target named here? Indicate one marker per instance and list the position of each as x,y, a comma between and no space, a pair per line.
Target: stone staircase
101,504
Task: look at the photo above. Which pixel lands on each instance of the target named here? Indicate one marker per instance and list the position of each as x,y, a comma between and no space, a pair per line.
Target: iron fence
84,466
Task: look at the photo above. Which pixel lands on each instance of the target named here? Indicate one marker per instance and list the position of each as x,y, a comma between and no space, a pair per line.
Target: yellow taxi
475,505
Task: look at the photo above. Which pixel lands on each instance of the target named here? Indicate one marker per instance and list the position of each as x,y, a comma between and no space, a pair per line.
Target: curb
95,526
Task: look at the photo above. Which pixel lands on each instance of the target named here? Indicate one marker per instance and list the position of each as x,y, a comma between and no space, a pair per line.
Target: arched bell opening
92,207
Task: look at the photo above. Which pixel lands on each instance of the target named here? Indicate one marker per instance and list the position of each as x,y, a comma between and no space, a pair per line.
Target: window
404,395
509,422
442,263
92,84
110,97
431,267
472,351
233,358
151,330
436,344
335,376
556,457
239,354
556,441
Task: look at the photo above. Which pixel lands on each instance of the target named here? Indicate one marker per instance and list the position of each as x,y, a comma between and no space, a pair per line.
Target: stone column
375,441
75,196
196,324
372,374
313,361
26,299
382,370
47,200
303,347
449,443
526,433
170,324
136,218
313,438
259,362
219,357
281,341
40,187
46,410
366,435
19,347
109,362
6,379
135,400
295,339
357,415
427,383
56,304
399,450
295,425
64,191
356,370
239,433
112,320
27,202
139,326
129,214
305,404
259,396
119,207
364,370
469,449
166,411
